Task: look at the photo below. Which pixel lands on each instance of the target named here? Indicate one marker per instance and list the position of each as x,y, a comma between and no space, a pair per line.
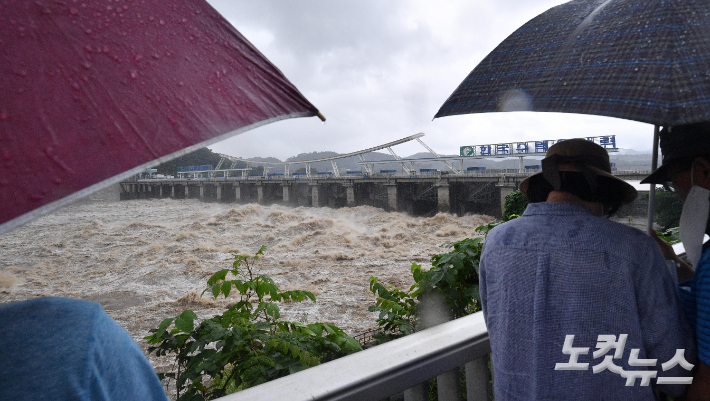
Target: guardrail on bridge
388,369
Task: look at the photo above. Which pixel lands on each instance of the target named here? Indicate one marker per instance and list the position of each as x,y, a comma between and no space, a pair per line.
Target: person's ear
701,172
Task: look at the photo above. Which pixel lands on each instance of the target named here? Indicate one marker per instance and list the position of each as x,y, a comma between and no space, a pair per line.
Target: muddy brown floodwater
146,260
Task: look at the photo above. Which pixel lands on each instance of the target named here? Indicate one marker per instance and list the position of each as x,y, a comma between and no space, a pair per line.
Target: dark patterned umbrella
642,60
95,91
647,61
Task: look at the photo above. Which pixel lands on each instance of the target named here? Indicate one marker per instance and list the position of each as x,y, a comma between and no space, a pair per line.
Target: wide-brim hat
679,143
582,156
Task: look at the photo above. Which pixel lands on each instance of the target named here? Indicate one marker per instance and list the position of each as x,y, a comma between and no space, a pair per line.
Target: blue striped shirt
559,270
695,294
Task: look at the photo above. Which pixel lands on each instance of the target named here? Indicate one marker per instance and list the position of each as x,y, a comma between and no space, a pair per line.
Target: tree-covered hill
199,157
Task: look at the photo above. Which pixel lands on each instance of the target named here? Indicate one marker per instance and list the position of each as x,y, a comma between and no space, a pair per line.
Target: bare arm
684,271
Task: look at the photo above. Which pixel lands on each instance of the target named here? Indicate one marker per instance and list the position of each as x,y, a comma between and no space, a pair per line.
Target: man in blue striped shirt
579,307
686,167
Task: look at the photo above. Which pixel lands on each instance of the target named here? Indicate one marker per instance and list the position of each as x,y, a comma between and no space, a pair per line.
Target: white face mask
694,220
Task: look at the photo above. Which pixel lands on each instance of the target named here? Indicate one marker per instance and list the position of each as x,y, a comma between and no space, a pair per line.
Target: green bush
671,235
453,277
249,343
667,209
515,204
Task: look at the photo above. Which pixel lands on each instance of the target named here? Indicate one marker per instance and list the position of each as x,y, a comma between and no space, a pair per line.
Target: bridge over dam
418,192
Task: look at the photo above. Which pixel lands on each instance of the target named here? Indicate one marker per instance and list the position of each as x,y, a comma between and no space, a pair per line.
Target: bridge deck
485,175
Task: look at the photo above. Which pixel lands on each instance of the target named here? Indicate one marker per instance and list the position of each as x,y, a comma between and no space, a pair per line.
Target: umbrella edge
50,207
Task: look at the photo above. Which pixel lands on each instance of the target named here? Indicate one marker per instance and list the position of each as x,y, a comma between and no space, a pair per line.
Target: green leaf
283,348
162,327
238,260
262,326
328,329
308,331
309,295
185,321
226,288
240,286
261,307
273,310
351,345
436,276
219,276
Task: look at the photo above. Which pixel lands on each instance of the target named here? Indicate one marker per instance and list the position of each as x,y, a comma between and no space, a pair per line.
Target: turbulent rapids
145,260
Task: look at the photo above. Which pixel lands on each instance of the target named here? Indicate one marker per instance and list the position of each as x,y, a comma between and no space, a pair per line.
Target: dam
423,191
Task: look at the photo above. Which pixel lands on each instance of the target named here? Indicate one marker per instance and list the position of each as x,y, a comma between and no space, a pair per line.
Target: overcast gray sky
380,70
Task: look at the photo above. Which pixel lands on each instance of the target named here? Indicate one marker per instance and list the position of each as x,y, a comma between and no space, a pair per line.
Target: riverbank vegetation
249,343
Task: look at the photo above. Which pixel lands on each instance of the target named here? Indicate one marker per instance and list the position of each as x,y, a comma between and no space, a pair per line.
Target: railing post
420,392
477,379
448,386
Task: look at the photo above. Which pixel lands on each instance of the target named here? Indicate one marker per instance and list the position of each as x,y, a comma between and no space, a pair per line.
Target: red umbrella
96,91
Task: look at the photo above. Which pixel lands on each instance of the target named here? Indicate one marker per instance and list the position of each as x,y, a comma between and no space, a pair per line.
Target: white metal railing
391,368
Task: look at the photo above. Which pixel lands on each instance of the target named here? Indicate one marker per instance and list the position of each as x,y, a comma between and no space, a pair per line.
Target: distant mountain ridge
626,160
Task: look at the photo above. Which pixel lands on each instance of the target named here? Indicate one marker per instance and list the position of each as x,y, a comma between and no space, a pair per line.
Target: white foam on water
146,260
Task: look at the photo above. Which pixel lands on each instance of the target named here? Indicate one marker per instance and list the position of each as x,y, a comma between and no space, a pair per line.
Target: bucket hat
582,156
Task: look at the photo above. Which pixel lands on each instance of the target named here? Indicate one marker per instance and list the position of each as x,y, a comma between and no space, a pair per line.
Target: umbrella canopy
647,61
96,91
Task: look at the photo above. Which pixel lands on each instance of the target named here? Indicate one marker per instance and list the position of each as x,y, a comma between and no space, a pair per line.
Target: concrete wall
417,197
111,193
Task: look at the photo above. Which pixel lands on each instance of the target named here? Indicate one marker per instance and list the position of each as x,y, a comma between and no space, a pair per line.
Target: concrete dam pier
416,196
481,193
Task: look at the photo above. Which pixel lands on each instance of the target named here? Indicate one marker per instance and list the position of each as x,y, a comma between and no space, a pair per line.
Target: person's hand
683,270
666,248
